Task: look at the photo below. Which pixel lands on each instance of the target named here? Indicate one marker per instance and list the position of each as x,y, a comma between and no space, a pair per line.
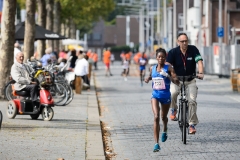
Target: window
180,20
96,36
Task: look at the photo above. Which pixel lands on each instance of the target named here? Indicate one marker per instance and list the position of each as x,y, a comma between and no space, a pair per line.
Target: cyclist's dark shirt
176,58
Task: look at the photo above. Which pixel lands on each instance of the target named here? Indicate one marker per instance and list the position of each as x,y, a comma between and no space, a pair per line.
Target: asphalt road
126,111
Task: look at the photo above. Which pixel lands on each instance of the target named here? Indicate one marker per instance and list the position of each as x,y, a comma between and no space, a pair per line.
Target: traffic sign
220,31
165,40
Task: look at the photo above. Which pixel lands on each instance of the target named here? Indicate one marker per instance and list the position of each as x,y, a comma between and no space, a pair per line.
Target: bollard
89,71
78,85
234,79
238,82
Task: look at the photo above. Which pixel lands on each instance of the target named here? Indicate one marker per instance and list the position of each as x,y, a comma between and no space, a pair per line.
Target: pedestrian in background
106,60
112,59
74,58
46,57
95,60
125,68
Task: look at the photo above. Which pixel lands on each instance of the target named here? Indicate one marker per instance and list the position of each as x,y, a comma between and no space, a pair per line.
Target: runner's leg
164,113
156,125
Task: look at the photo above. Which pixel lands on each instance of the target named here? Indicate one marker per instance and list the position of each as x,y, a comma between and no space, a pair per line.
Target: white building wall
192,24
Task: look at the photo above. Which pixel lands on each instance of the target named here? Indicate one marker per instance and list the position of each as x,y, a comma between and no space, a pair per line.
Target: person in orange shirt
95,60
137,56
106,60
89,52
128,58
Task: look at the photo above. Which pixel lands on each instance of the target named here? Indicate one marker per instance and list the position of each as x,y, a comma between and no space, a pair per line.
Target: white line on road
233,98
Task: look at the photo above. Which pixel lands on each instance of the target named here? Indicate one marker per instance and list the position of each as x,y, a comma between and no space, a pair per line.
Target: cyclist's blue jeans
191,92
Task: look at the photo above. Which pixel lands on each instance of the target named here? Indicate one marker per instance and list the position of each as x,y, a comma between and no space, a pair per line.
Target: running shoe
192,129
164,136
156,148
173,114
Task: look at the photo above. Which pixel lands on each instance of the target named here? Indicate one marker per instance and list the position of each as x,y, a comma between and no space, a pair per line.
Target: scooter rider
20,73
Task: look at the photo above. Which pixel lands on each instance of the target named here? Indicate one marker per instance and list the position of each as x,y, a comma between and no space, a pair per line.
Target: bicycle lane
127,113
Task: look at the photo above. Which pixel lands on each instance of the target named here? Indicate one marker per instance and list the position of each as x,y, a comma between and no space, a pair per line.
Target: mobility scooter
22,105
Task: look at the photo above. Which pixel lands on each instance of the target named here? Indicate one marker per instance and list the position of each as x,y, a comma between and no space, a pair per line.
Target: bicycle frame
183,112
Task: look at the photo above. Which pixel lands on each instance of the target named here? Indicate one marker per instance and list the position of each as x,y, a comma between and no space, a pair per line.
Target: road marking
233,98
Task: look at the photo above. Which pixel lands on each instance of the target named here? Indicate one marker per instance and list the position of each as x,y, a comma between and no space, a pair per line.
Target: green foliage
85,12
120,49
119,10
22,4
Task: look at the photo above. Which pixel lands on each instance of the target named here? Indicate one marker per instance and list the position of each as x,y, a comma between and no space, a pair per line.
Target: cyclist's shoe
192,129
156,148
173,114
164,136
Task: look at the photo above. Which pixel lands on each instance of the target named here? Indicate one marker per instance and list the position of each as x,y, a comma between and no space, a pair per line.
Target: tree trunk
72,30
62,33
7,42
29,36
41,22
49,25
56,24
67,28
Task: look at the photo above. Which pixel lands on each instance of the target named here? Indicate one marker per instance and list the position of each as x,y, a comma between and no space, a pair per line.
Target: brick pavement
73,134
126,110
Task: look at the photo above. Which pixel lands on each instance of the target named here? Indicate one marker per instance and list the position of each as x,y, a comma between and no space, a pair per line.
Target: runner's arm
149,77
173,76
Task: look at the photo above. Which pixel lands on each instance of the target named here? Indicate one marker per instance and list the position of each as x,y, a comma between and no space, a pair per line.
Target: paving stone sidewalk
73,134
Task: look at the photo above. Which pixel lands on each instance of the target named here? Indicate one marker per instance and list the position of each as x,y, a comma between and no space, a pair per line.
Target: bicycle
183,108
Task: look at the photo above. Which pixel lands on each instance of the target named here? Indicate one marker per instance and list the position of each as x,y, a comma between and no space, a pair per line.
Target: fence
220,64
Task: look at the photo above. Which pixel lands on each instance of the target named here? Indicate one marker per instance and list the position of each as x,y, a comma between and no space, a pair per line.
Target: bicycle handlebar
185,78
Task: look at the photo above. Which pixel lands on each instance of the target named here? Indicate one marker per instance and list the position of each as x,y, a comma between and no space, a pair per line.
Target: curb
94,143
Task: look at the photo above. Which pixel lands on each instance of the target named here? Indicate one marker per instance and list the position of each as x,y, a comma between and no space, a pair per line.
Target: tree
29,35
41,22
56,21
7,34
85,12
49,25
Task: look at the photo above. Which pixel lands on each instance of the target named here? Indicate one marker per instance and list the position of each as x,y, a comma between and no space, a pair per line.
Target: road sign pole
220,37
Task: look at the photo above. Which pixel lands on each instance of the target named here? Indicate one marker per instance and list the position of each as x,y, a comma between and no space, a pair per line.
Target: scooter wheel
11,110
47,113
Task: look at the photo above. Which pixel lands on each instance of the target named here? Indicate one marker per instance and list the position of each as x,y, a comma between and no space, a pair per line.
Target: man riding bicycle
183,59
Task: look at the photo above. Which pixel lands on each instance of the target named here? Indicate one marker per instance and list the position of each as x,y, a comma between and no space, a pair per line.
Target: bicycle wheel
8,91
1,117
70,94
59,94
180,119
184,123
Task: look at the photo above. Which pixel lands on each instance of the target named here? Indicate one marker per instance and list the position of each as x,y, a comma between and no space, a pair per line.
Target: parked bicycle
60,90
183,108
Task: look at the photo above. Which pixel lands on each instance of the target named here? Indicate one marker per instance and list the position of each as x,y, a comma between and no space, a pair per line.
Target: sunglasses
184,41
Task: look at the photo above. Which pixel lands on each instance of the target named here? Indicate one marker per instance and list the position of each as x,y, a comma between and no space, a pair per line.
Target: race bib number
158,83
